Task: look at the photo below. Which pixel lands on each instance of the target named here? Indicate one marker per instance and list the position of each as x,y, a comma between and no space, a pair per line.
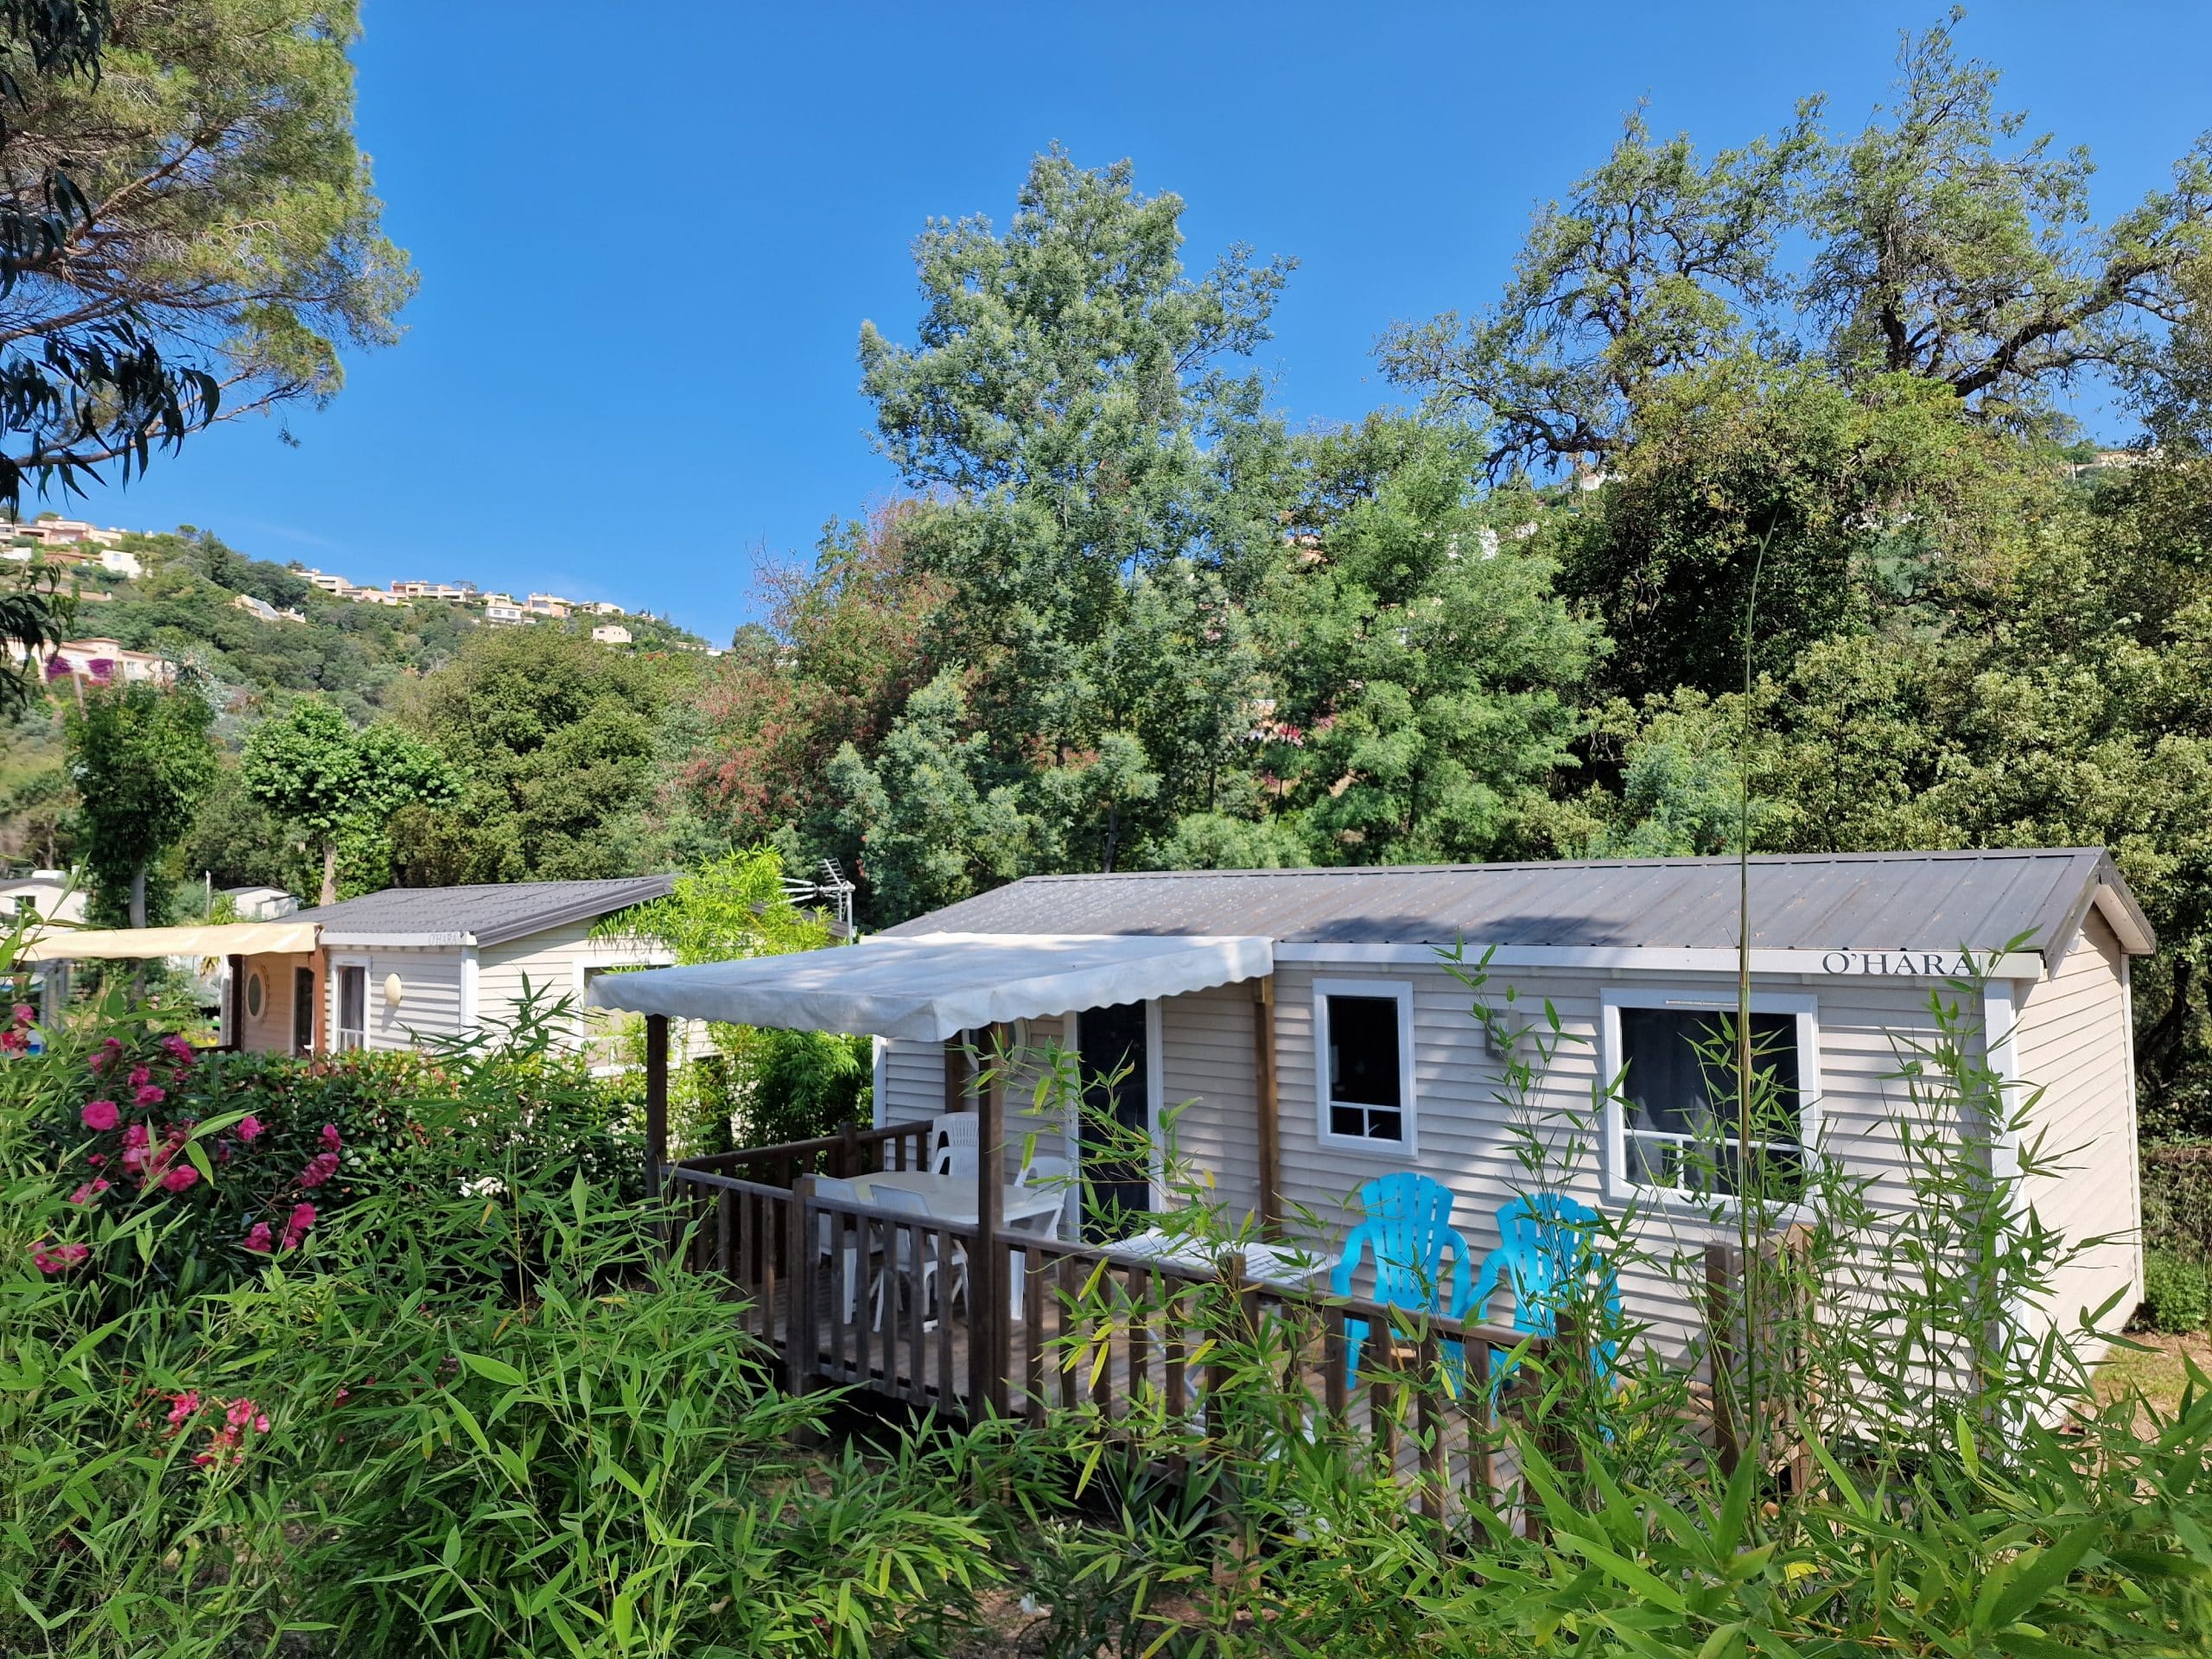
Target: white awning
932,986
131,943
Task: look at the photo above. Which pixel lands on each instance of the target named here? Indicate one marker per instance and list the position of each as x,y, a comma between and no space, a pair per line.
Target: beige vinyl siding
2071,1042
556,963
1208,1086
913,1087
271,1031
429,1003
1467,1134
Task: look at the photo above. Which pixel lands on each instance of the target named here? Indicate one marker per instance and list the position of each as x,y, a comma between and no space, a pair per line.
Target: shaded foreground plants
1921,1470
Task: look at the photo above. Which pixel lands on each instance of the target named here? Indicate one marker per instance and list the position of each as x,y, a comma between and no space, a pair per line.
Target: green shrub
2177,1292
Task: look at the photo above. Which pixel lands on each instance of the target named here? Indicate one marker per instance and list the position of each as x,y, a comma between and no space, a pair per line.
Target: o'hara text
1932,964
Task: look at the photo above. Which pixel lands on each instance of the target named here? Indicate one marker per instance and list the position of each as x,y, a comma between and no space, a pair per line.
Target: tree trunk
329,873
138,897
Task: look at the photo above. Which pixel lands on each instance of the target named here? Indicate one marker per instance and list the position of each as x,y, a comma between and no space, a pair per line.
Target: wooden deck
894,1306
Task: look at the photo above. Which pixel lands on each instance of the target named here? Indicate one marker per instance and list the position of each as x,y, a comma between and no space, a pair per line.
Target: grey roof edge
649,887
611,895
2106,889
2092,879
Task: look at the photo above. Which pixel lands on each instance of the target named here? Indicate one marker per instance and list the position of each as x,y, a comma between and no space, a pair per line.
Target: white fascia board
1891,964
397,941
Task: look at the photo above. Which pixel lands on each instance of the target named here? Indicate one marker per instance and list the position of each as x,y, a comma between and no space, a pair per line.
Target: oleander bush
2177,1292
469,1408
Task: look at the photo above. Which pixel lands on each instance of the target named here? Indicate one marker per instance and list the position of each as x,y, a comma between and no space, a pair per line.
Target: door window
353,1007
1116,1136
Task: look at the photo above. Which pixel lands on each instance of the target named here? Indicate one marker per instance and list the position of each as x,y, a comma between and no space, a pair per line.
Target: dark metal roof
491,914
1982,901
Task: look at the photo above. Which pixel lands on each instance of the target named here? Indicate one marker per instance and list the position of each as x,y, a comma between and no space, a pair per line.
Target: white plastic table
1282,1266
952,1197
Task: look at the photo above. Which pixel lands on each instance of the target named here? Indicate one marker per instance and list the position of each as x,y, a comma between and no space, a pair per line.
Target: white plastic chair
953,1144
892,1198
826,1232
1056,1174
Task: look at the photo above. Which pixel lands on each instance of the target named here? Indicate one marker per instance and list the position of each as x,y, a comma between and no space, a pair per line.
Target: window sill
1365,1146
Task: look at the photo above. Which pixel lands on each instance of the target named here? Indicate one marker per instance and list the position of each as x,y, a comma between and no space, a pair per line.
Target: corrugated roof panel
1934,901
489,913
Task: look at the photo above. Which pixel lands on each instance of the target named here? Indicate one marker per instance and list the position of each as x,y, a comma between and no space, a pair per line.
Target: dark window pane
1364,1050
1347,1119
1679,1089
1383,1126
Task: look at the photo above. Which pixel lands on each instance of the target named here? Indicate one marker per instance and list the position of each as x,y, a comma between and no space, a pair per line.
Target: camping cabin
390,969
1291,1034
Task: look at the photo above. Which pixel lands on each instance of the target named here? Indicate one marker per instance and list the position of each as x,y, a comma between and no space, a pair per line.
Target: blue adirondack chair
1545,1247
1408,1226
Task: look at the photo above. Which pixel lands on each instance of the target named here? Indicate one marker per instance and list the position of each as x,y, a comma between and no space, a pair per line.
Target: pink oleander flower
105,1054
99,1115
182,1405
25,1014
257,1239
330,1138
179,1049
250,1129
60,1258
13,1041
320,1168
135,1136
244,1414
150,1095
140,1077
176,1179
296,1229
89,1189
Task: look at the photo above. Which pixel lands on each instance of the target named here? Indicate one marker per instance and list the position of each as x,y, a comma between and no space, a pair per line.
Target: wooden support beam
956,1072
987,1275
656,1101
1269,1105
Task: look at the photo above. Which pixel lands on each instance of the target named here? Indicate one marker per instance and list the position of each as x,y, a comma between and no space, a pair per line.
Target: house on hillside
103,662
610,633
1303,1034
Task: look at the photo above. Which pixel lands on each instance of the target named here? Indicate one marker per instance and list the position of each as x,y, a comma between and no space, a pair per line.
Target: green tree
556,740
141,762
328,780
1103,510
189,229
1426,669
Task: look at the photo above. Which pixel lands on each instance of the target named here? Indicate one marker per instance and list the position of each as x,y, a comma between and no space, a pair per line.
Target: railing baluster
1431,1427
1143,1283
1070,1325
917,1333
844,1296
1032,1332
947,1384
1482,1464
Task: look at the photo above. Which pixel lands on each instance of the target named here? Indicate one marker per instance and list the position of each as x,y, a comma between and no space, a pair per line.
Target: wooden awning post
656,1102
987,1312
1268,1105
955,1075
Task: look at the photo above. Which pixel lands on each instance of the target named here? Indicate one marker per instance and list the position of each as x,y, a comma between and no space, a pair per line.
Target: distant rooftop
490,914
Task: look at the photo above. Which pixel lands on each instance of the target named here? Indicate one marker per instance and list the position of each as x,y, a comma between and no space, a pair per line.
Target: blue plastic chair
1546,1248
1407,1226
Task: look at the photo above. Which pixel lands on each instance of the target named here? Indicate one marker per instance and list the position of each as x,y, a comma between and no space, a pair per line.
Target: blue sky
647,236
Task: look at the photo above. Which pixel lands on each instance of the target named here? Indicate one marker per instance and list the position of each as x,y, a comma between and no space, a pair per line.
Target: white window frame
1805,1006
337,967
1402,991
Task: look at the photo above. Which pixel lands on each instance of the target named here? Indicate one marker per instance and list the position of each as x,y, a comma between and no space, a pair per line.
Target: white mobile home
1304,1025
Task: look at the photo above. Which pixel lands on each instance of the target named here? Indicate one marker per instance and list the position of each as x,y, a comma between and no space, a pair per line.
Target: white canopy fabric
219,939
932,986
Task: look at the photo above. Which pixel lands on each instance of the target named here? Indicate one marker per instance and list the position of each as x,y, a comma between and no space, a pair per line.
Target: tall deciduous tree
555,738
316,772
142,760
1102,512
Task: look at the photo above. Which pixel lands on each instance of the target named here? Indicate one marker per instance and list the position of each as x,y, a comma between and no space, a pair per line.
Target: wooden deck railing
854,1295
